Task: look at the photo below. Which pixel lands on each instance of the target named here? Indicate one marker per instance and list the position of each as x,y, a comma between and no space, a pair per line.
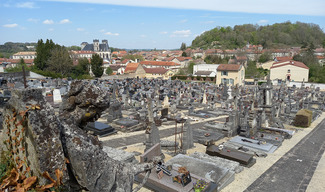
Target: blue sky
143,24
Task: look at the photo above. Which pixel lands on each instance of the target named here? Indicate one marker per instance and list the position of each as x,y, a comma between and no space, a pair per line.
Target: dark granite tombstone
231,154
164,113
100,129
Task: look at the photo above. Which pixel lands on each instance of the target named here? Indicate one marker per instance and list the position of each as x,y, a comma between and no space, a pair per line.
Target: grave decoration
200,185
161,167
184,177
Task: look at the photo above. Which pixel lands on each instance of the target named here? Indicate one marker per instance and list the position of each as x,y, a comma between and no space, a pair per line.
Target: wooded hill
279,35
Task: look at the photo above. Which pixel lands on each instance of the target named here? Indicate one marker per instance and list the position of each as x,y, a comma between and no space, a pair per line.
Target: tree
190,67
109,71
84,65
22,61
253,72
73,47
60,61
97,65
183,47
181,72
184,54
279,35
43,53
266,56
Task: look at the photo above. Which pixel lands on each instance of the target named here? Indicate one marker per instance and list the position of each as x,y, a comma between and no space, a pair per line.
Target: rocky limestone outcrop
49,142
32,135
84,103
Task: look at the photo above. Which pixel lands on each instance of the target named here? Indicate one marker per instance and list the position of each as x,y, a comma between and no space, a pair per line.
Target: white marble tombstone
57,96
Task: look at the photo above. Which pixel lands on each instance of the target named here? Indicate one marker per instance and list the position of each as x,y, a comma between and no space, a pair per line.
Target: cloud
80,29
113,34
263,21
33,20
183,21
297,7
208,22
102,30
143,36
10,25
163,32
181,33
64,21
51,29
29,5
48,22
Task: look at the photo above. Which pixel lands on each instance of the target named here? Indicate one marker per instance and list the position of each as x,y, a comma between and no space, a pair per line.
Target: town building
102,49
231,74
158,72
164,64
117,69
24,55
289,70
82,54
205,70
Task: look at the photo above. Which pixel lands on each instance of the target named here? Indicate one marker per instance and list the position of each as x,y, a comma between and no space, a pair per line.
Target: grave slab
210,171
100,129
267,147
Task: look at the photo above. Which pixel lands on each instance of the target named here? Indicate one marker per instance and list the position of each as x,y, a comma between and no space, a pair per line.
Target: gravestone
188,136
57,96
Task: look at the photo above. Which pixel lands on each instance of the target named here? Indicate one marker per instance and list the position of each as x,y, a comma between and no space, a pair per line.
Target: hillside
10,48
279,35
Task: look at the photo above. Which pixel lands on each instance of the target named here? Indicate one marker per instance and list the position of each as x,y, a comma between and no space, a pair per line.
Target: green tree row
54,60
252,71
271,36
316,71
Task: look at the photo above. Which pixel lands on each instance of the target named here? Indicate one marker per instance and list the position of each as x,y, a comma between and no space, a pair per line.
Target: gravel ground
244,179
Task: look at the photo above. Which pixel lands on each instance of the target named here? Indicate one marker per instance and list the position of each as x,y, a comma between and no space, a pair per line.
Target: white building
205,70
82,54
289,70
24,55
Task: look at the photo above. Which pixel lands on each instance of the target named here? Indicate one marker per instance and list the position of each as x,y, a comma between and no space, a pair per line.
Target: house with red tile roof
278,59
231,74
164,64
131,67
289,70
183,61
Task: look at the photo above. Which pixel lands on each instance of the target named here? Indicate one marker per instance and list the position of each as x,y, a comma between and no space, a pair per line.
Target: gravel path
294,170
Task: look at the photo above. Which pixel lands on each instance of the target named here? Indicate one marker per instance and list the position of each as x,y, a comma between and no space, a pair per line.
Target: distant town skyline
142,24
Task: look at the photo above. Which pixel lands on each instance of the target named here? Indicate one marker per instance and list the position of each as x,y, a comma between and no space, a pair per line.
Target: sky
143,24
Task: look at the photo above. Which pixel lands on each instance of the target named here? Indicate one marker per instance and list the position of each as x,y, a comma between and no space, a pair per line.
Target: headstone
188,136
166,102
57,96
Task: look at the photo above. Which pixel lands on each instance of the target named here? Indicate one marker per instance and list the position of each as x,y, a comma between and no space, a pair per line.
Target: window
224,73
288,70
224,81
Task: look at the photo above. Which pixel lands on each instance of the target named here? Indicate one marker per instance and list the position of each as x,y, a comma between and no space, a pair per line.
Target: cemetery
149,134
